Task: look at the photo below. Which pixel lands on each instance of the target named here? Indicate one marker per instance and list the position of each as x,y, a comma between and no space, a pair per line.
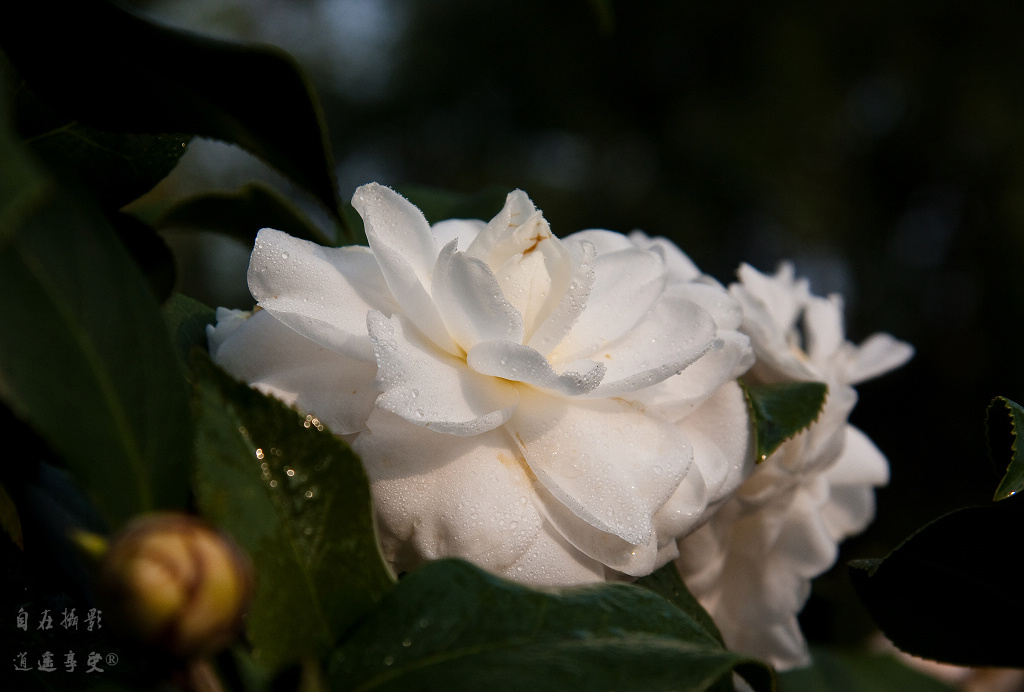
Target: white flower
515,398
751,564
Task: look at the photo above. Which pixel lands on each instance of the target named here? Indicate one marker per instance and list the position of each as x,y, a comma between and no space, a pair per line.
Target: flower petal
406,251
876,355
442,496
575,280
680,266
322,293
606,548
270,356
553,561
612,464
518,363
723,457
463,230
675,334
470,301
428,387
627,283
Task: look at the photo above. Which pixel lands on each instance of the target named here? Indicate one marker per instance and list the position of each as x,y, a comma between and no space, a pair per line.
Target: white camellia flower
751,565
555,411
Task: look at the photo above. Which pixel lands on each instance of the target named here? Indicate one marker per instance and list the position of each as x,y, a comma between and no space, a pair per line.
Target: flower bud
176,582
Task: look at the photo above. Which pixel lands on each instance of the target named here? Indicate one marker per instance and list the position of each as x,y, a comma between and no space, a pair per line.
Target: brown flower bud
176,582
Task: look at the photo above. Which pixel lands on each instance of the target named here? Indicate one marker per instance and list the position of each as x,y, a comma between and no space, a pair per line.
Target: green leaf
242,214
297,499
832,671
186,320
667,583
451,626
782,410
23,182
1007,427
112,70
942,593
85,359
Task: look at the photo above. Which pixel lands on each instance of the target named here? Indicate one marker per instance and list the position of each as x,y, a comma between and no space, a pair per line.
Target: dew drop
419,413
284,255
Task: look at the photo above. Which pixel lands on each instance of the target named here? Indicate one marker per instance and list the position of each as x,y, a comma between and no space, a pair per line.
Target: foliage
105,373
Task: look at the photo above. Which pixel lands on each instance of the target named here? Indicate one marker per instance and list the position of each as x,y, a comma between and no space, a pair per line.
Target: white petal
470,301
861,462
441,496
516,362
877,355
608,549
393,221
823,328
322,293
463,230
575,286
553,561
627,283
673,336
612,464
268,355
723,441
428,387
518,210
680,395
406,251
680,266
604,242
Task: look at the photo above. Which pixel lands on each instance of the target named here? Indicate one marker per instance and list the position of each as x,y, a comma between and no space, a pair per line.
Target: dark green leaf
297,499
667,583
116,167
149,251
451,626
23,183
112,70
186,320
943,593
242,214
86,360
1004,423
857,672
782,410
438,205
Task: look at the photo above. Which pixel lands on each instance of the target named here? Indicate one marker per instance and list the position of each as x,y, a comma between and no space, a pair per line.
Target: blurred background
878,145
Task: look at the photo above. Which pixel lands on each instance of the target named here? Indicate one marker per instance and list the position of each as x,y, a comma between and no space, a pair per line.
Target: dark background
878,145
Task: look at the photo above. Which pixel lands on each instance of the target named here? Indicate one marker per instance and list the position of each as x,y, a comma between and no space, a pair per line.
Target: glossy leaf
782,410
942,593
451,626
242,214
1005,421
297,499
23,182
832,671
85,359
112,70
117,167
667,583
186,320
